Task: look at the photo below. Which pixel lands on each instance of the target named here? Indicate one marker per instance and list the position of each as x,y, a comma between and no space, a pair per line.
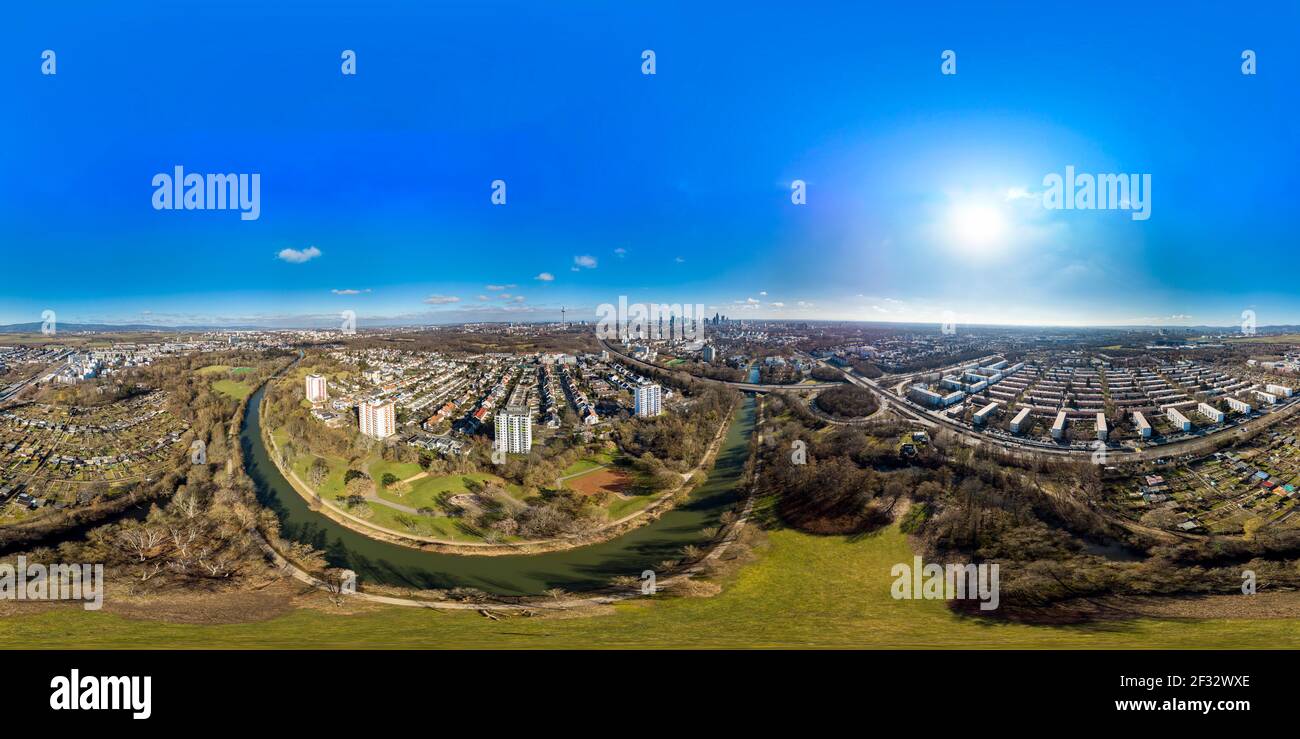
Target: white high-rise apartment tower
316,390
514,428
648,401
377,420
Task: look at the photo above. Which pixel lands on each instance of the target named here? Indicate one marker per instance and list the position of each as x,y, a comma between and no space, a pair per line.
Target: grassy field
1265,339
230,388
215,369
589,463
425,491
805,591
421,493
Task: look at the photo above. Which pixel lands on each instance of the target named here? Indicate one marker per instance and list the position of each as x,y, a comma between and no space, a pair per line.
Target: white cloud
350,292
680,260
296,256
545,277
763,293
620,252
441,299
483,297
585,261
778,305
499,287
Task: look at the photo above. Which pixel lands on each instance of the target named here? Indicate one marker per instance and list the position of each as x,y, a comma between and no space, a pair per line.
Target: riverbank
665,502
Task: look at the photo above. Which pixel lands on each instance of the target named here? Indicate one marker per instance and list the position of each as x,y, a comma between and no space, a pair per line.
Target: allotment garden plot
1249,487
66,455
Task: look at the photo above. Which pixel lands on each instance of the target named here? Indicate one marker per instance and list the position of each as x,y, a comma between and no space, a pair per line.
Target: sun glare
976,227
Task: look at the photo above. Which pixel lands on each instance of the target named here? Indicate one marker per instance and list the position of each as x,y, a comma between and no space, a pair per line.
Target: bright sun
976,227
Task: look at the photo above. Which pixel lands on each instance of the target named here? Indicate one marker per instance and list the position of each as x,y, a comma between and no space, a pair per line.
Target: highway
18,387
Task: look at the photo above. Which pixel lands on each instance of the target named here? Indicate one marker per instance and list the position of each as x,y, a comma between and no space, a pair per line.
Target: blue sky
666,188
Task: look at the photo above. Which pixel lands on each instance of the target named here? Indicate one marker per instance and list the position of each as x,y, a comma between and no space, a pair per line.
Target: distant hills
35,328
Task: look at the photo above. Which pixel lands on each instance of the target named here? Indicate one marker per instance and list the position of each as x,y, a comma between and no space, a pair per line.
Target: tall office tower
514,430
377,420
316,390
648,400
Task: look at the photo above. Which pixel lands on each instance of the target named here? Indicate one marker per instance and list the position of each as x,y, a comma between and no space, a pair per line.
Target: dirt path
413,478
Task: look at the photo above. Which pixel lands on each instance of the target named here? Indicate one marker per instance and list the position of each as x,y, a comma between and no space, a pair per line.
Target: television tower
561,317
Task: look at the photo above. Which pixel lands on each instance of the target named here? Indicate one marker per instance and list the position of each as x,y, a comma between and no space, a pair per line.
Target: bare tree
141,541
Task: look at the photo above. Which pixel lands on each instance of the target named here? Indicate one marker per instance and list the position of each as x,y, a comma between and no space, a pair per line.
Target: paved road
15,389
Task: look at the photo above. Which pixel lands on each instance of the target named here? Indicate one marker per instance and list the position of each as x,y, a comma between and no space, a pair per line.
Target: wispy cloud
350,292
441,299
586,261
298,256
499,287
545,277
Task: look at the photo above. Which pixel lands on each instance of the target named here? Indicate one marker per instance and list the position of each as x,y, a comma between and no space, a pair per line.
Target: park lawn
332,487
232,389
425,491
804,591
401,470
590,462
620,507
439,527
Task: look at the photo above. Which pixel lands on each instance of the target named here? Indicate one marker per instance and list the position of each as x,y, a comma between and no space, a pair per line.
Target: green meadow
804,591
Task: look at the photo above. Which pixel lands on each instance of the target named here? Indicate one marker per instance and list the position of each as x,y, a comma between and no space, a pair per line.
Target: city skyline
924,191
